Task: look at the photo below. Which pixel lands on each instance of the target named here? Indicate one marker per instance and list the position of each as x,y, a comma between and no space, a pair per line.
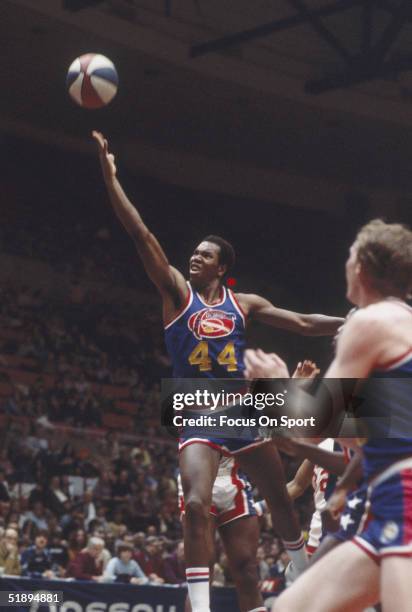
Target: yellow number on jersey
227,357
200,356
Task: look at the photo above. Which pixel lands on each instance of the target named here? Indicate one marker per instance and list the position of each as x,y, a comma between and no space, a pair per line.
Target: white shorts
232,494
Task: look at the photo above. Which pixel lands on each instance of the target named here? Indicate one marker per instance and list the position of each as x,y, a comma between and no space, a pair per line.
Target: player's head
211,259
380,262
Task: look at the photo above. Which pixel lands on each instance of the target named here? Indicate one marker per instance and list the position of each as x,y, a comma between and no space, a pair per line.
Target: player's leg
396,583
188,607
240,539
198,468
344,580
264,467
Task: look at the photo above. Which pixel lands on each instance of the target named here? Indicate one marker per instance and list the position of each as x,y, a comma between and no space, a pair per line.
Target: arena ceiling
299,101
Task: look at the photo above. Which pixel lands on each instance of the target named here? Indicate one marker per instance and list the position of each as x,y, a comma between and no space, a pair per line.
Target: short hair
123,546
227,256
385,252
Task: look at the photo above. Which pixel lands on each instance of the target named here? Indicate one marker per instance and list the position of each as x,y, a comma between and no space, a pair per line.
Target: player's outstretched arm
166,278
332,461
262,310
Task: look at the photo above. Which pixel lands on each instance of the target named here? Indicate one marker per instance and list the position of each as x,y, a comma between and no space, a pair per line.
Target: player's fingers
98,138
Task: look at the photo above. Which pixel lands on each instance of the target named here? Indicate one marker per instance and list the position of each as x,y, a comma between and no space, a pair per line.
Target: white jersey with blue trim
207,340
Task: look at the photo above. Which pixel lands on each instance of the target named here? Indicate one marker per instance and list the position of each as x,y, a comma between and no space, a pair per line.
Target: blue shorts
388,530
352,514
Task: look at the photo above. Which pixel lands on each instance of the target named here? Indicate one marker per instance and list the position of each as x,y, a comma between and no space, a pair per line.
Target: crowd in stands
80,496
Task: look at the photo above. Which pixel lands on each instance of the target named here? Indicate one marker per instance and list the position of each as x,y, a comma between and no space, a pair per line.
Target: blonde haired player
375,344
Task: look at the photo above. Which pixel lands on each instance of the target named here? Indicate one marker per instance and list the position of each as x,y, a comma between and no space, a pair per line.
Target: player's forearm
294,490
352,474
127,214
151,253
333,462
321,325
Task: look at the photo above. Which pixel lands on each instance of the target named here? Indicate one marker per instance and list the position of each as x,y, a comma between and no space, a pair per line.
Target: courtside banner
81,596
377,407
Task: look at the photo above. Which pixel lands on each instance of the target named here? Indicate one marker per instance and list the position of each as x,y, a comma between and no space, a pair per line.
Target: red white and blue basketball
92,80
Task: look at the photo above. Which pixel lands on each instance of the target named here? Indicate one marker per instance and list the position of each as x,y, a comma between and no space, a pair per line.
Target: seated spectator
55,497
58,553
9,555
35,560
4,488
123,568
88,564
174,568
77,541
150,560
36,517
117,525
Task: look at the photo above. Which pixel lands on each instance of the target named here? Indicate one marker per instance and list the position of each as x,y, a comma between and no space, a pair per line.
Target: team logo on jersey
211,323
389,532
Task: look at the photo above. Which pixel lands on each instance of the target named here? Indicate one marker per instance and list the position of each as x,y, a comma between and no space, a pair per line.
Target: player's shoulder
370,318
364,329
248,300
379,316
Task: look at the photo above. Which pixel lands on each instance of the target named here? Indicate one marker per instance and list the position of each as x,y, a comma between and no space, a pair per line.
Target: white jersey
320,482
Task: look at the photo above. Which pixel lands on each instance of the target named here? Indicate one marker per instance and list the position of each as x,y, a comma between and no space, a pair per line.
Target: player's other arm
302,479
262,310
167,279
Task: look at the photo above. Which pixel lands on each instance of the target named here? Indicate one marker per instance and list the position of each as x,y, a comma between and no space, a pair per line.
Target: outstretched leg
264,467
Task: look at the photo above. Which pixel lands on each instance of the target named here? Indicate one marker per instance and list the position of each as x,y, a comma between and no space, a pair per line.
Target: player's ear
221,271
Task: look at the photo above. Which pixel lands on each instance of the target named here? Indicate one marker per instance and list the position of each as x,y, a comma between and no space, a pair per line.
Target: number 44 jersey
207,340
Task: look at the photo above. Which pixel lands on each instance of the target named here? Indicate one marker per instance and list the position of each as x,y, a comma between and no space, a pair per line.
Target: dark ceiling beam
219,44
359,75
168,8
380,50
370,65
321,30
391,7
77,5
367,26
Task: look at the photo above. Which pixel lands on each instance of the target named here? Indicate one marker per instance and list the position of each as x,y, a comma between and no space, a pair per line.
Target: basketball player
234,515
375,344
323,482
330,529
204,332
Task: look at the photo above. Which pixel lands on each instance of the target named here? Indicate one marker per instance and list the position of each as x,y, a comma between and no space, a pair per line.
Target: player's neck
367,298
210,293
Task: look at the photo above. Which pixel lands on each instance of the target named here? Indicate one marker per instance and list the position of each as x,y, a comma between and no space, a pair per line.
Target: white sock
297,553
198,587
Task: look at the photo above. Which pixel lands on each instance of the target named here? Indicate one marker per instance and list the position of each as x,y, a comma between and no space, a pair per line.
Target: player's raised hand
264,365
306,369
106,159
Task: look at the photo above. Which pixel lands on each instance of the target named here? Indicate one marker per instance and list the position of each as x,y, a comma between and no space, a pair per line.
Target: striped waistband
390,471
